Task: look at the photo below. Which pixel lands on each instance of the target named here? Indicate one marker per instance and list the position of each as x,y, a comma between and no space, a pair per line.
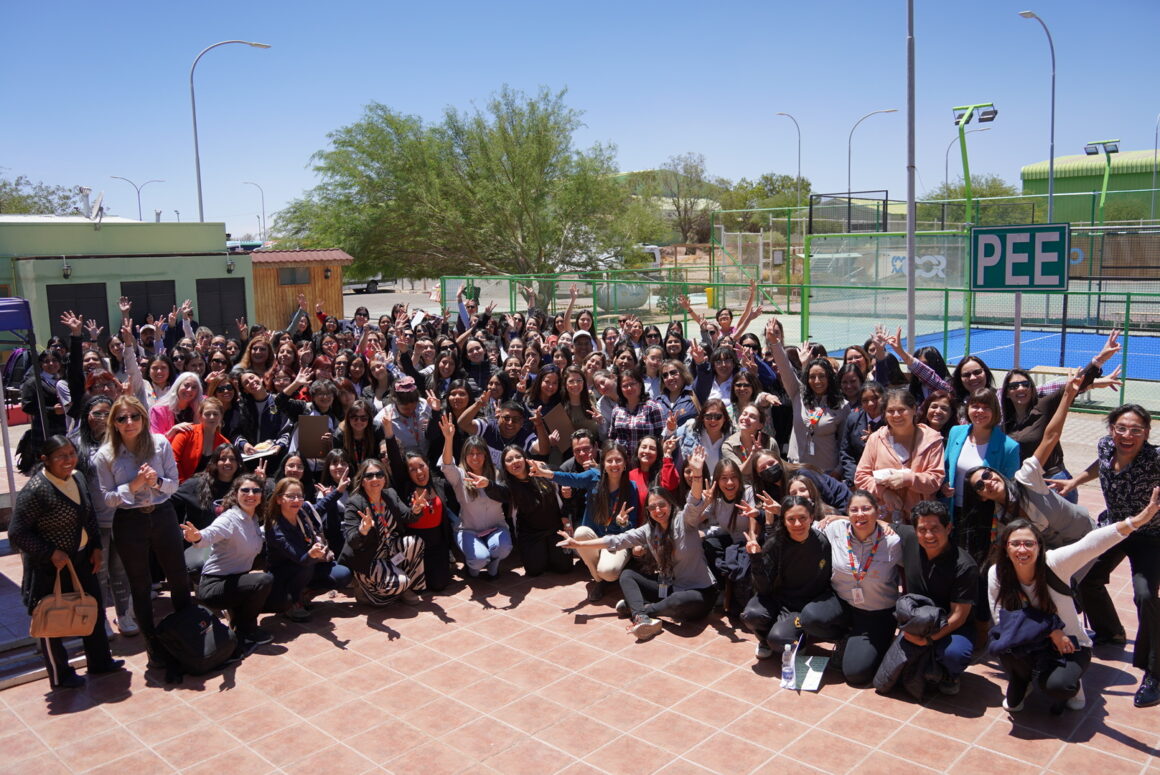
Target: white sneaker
763,651
127,625
1078,701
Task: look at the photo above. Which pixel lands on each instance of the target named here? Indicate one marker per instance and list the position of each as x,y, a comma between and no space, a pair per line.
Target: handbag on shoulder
64,614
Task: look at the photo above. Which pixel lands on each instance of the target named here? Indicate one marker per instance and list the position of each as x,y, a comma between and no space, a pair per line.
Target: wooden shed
280,275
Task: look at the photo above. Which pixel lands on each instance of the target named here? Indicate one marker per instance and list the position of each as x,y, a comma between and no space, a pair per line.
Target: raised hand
74,322
475,480
433,401
260,469
447,426
190,533
698,352
1110,348
670,446
671,423
418,501
573,291
751,545
301,299
622,515
684,302
1112,380
93,329
304,375
366,522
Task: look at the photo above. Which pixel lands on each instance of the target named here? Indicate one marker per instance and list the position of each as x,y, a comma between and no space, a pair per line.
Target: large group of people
915,516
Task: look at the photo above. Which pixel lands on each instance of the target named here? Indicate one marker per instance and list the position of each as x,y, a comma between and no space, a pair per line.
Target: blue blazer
1002,454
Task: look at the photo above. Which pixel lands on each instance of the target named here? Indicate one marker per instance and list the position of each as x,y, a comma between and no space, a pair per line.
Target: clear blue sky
94,90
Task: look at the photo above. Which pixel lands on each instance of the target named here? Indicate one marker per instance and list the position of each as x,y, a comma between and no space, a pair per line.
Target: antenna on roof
98,211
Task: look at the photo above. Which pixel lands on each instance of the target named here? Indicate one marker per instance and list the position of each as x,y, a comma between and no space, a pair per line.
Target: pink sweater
923,472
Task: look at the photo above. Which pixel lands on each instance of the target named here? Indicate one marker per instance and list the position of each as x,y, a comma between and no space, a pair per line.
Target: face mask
771,476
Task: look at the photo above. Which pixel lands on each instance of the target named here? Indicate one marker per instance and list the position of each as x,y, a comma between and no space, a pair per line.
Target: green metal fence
1061,330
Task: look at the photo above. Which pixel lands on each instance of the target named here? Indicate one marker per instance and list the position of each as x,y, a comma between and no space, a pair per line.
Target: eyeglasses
655,507
99,415
127,418
1018,384
250,490
1022,544
714,416
374,475
985,476
1135,431
289,497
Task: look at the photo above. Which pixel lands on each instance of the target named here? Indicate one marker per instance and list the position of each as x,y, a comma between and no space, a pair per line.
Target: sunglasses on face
668,374
224,389
127,418
984,477
1018,385
374,475
711,416
250,490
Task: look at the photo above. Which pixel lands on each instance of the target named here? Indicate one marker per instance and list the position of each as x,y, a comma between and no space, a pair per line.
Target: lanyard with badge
859,576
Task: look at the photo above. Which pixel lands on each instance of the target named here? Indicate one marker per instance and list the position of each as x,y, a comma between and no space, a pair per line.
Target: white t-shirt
971,456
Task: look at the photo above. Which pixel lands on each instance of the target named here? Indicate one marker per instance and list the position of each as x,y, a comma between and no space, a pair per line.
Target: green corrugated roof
1082,164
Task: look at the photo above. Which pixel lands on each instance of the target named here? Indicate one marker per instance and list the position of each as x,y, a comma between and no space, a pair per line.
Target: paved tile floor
522,676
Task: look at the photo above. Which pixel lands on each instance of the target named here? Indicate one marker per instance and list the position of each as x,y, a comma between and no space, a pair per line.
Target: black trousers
1057,677
242,594
1143,552
136,534
771,621
714,546
539,553
868,634
96,645
643,595
436,555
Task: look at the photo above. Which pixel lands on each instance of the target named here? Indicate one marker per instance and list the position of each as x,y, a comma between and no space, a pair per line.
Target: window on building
294,275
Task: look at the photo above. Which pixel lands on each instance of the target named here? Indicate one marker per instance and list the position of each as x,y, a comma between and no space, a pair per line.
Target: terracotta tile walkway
522,676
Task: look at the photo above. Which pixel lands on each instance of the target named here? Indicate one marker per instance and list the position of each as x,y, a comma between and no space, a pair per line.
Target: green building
1078,180
73,263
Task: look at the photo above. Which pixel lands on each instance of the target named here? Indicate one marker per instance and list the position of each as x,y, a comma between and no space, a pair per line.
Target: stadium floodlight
986,112
1109,147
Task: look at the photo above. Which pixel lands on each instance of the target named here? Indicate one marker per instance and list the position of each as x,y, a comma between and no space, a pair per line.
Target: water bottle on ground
787,668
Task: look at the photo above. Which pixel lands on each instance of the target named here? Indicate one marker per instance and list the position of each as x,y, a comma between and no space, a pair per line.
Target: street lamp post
947,158
262,223
1051,150
799,156
137,188
193,107
850,156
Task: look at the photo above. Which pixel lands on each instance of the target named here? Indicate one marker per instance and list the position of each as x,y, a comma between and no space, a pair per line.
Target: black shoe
1116,639
595,591
257,636
111,667
1149,692
73,681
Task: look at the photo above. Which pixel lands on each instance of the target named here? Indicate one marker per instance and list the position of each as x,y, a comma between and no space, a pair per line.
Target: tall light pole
850,156
193,107
1108,147
178,214
138,189
986,112
947,158
262,224
799,156
1051,149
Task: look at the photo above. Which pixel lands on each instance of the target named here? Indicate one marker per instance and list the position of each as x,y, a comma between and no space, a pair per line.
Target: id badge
663,591
810,446
397,560
859,598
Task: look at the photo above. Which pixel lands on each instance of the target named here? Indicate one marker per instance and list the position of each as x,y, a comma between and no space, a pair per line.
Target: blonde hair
143,448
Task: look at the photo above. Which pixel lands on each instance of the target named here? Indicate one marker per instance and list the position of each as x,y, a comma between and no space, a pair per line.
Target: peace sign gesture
622,515
418,501
751,545
366,521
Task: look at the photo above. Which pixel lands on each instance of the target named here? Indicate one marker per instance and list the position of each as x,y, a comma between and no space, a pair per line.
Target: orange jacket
187,450
923,474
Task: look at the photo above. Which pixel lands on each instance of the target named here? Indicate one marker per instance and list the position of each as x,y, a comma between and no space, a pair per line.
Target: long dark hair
833,397
935,361
1010,590
719,405
359,450
207,476
957,377
604,508
660,540
476,443
87,443
1009,414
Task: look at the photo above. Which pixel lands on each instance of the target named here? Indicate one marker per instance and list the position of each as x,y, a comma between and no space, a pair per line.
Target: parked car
369,285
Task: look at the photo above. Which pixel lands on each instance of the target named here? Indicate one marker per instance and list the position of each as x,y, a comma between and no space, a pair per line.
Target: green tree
689,196
496,190
20,195
771,190
945,207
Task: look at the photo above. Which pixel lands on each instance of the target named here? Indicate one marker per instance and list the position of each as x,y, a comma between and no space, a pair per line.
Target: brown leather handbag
64,614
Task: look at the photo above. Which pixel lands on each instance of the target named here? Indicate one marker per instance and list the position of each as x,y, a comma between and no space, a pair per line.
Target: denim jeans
954,651
114,582
485,552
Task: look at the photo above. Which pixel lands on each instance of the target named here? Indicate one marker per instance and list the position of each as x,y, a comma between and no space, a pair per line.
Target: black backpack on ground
195,641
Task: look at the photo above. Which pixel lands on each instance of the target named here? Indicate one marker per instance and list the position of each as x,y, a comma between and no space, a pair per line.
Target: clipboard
311,429
558,420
